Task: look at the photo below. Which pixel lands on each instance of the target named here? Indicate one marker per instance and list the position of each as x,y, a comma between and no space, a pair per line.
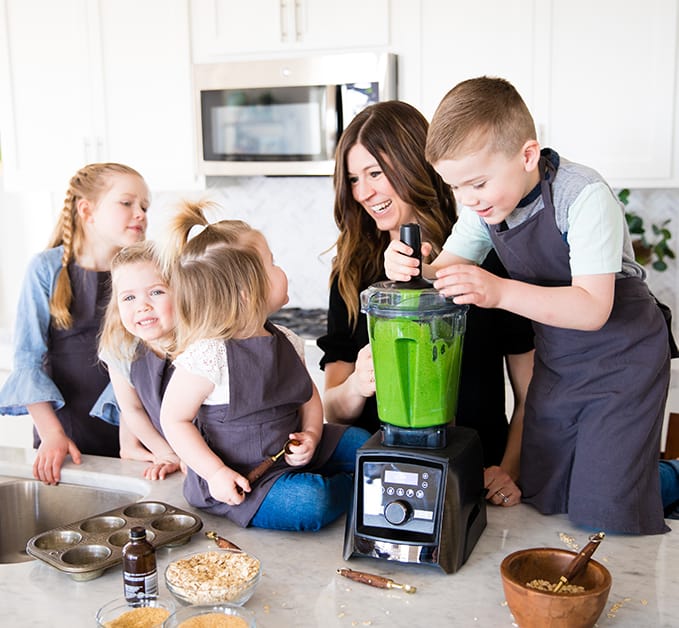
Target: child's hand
228,486
364,373
54,447
160,470
469,284
303,453
398,265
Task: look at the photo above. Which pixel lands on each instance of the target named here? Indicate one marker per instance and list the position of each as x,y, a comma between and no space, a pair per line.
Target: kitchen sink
28,507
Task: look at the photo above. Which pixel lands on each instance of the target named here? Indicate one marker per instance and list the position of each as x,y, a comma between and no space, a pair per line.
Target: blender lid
390,298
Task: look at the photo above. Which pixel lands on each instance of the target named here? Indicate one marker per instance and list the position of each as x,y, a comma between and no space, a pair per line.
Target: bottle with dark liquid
140,574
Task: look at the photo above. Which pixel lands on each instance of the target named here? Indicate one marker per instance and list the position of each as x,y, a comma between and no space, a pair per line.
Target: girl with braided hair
57,377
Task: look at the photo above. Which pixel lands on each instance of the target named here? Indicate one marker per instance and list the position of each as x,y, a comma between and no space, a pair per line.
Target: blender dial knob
397,512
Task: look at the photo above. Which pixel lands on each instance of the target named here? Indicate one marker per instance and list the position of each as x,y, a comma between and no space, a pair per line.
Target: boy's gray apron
267,384
150,375
595,405
73,365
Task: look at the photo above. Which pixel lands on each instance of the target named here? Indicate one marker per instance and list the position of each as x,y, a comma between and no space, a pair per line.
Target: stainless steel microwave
283,116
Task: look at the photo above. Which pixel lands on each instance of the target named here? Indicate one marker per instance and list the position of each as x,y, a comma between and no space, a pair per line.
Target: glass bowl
209,615
146,613
213,577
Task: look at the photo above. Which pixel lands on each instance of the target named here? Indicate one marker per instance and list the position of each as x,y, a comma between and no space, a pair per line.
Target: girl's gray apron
267,384
595,405
150,375
73,365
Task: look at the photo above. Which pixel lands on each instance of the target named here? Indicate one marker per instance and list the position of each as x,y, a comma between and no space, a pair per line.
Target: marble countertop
300,587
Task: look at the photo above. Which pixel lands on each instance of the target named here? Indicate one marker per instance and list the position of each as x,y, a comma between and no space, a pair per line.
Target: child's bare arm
184,395
311,414
399,266
585,305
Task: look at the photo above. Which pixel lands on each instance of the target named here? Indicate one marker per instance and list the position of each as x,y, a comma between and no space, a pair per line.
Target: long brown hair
394,133
88,183
218,278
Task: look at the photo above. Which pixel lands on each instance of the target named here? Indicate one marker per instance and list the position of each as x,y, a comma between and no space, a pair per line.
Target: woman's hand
502,490
303,453
54,447
364,373
227,486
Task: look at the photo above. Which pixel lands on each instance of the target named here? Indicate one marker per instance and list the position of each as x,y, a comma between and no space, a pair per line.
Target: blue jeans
310,501
669,483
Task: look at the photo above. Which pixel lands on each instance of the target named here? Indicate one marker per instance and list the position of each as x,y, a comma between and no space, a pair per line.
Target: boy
595,404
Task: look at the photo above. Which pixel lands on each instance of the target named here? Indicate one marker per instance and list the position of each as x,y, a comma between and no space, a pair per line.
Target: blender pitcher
416,342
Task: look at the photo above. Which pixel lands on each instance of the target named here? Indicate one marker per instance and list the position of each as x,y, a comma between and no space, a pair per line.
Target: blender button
425,484
400,492
420,494
390,490
410,492
425,476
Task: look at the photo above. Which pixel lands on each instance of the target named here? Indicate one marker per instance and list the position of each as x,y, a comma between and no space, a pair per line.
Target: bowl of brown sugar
144,613
529,577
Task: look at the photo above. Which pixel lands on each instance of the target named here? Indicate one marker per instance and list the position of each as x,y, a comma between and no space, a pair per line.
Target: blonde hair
394,133
476,112
89,183
217,277
114,338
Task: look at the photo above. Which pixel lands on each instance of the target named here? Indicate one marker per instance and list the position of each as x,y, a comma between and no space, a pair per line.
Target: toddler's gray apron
74,367
595,405
267,384
150,375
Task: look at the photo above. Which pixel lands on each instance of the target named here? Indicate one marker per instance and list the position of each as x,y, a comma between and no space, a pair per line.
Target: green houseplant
648,249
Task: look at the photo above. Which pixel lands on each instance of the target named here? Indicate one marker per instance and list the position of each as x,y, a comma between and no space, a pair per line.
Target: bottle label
139,586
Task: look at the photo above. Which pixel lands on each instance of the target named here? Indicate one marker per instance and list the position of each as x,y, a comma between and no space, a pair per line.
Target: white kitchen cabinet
96,80
599,77
224,28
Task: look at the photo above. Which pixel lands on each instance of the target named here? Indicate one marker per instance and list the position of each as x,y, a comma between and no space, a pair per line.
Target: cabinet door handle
283,6
299,24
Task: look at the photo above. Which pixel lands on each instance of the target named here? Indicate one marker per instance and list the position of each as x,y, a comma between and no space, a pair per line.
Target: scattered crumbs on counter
267,609
613,611
644,602
367,622
569,541
340,615
504,603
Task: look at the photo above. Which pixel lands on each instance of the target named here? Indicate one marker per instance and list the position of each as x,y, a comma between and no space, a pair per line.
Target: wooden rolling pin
579,562
375,581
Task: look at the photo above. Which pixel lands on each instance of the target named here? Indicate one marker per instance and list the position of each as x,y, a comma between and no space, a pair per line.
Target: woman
382,181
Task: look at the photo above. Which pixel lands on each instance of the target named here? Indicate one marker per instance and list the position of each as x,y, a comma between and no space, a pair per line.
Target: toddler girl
244,381
137,335
57,378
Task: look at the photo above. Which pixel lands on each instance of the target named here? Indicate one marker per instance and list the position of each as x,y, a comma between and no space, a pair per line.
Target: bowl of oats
213,577
211,616
529,578
145,613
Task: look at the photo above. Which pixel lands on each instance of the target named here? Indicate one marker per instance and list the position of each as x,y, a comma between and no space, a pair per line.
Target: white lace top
207,358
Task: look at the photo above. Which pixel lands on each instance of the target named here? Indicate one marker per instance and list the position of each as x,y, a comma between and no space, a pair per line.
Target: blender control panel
400,495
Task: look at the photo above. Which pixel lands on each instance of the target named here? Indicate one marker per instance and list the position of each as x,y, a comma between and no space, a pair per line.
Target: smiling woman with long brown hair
382,181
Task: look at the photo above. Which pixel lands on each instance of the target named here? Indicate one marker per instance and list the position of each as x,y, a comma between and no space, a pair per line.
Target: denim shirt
29,382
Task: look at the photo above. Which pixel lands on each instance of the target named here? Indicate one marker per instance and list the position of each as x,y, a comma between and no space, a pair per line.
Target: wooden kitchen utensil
579,562
375,581
222,542
263,466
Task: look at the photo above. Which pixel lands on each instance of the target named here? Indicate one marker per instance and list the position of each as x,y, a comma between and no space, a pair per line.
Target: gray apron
267,384
150,375
595,405
74,367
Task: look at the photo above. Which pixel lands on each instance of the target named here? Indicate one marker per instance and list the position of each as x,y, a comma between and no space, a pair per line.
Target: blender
418,483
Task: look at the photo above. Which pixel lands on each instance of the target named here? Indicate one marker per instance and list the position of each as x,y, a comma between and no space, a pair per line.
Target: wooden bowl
533,608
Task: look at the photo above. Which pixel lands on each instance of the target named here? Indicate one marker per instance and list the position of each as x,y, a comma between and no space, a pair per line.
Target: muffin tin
86,548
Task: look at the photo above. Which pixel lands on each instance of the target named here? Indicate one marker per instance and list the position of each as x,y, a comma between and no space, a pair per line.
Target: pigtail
62,296
190,214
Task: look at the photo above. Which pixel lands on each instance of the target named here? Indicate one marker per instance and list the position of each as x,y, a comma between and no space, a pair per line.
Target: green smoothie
417,368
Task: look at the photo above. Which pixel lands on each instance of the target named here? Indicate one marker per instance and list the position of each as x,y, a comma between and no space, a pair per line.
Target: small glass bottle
140,574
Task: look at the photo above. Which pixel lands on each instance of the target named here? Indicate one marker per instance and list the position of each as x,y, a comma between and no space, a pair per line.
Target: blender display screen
401,477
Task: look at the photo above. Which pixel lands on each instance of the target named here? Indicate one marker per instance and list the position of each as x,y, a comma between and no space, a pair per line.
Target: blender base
418,505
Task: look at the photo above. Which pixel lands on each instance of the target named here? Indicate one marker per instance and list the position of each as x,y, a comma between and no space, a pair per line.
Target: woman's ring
505,498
